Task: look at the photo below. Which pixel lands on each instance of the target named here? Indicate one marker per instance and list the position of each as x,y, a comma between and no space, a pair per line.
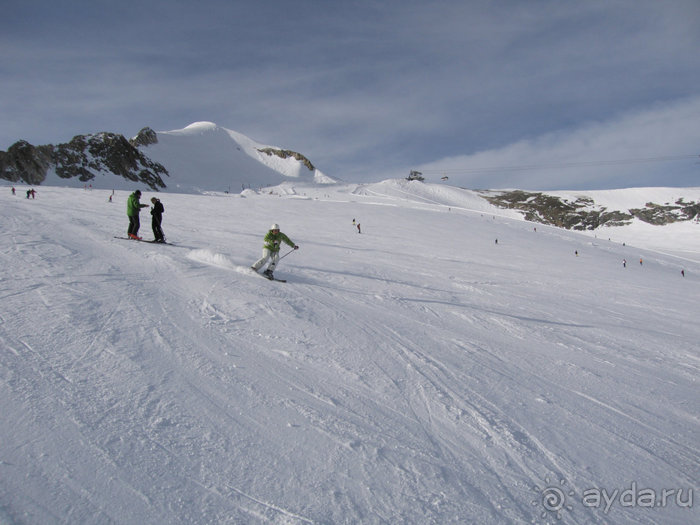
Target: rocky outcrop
145,137
584,214
667,213
84,157
25,163
285,153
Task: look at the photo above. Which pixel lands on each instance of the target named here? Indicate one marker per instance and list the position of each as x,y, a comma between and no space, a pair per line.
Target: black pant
157,231
134,225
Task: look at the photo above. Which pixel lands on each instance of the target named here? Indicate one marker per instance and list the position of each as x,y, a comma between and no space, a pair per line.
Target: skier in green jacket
271,250
133,208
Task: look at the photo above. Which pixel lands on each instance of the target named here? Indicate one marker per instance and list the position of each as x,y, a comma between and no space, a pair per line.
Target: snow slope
681,239
417,373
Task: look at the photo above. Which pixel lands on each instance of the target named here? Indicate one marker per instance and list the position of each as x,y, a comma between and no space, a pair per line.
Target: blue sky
539,94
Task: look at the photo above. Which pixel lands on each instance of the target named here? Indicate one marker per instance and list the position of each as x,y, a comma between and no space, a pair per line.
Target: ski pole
290,251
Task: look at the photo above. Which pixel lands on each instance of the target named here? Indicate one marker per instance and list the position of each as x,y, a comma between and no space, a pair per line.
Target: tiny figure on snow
576,252
133,208
640,261
271,250
157,217
359,230
13,190
682,273
624,263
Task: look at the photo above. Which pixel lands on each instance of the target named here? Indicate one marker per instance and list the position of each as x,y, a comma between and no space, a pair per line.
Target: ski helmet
275,227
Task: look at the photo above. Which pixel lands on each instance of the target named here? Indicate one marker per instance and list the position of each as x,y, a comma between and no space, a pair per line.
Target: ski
268,278
143,240
272,278
156,242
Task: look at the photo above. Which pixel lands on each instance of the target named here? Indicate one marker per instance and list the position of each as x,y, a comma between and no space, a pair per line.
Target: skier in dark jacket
133,208
157,217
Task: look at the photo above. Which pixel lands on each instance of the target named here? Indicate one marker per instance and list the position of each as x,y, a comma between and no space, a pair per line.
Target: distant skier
271,250
641,262
359,230
133,208
624,263
156,219
13,190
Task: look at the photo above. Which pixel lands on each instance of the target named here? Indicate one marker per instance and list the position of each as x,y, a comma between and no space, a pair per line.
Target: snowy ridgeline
419,372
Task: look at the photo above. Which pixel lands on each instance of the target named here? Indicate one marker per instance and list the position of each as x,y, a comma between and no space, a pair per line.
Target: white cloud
628,150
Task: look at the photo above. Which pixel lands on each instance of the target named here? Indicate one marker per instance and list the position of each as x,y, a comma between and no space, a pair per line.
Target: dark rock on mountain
665,214
584,214
286,153
25,163
84,157
145,137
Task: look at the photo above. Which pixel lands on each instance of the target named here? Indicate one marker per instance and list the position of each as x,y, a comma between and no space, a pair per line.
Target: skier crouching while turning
271,250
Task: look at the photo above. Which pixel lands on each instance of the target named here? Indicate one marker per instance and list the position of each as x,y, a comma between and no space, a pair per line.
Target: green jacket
273,241
133,206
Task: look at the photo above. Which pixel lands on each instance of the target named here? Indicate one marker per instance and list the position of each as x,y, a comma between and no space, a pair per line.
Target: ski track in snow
416,373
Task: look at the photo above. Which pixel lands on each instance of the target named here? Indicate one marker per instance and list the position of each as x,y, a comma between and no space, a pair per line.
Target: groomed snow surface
419,372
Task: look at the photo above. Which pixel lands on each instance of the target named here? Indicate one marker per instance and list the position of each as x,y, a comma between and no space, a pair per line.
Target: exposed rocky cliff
584,214
286,153
145,137
85,157
23,162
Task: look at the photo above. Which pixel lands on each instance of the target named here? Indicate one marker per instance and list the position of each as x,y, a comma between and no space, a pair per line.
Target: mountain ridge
83,160
199,157
205,157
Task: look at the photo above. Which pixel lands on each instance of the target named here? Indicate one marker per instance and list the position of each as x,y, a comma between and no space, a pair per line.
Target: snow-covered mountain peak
204,156
198,127
200,157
